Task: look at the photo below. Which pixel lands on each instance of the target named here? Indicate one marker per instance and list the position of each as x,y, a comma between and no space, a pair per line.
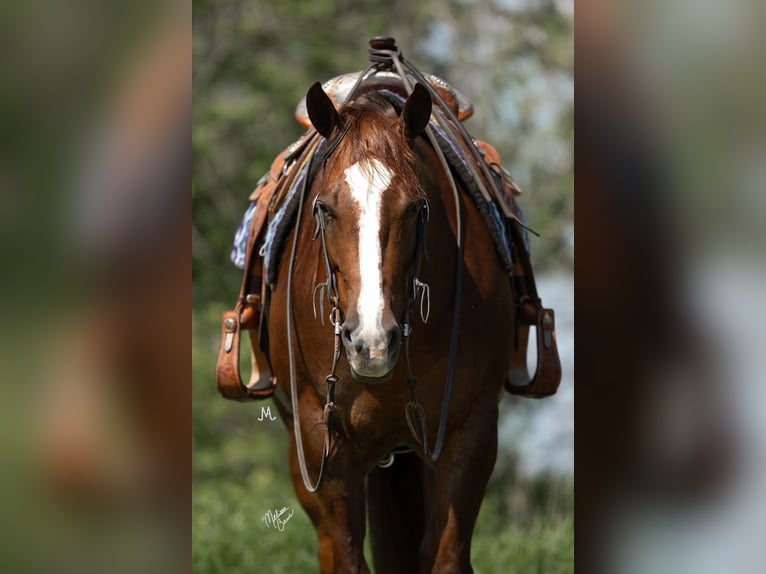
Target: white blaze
368,180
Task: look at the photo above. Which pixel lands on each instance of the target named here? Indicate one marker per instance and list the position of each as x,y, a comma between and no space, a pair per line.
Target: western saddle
251,310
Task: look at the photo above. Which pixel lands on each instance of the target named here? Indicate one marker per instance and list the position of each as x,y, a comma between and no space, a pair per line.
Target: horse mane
372,132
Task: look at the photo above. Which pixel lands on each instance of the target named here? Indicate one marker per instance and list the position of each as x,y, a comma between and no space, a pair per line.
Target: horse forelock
373,133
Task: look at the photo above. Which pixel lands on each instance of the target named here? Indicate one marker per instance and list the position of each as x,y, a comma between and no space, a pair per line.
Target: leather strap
248,312
331,379
529,312
413,411
529,309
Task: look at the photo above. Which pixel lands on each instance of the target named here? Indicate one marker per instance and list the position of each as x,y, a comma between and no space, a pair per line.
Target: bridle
414,412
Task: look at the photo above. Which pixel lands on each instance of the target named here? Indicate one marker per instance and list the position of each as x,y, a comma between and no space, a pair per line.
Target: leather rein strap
413,410
331,379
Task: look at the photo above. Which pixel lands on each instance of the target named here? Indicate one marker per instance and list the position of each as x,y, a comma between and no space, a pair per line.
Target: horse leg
463,471
396,506
337,511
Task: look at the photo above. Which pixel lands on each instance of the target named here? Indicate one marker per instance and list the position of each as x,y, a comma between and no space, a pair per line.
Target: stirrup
548,372
227,375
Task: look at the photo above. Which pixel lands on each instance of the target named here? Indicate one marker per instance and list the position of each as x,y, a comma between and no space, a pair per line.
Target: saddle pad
276,232
239,249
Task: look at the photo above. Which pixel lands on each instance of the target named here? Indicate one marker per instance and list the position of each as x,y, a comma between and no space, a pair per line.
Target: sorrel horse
385,224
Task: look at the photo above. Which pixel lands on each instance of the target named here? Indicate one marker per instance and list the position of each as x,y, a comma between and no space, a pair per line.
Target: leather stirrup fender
548,372
227,373
250,311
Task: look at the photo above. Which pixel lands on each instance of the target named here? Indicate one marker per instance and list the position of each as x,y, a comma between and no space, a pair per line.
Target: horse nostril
393,340
357,345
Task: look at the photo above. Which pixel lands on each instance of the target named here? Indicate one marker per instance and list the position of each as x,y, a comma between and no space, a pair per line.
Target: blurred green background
253,61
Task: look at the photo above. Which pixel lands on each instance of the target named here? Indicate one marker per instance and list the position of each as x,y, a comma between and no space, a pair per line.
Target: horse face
371,204
371,228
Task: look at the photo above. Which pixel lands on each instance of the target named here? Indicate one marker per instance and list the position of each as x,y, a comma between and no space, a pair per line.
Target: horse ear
416,112
322,113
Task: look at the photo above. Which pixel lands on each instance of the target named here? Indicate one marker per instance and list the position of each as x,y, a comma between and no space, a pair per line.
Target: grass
240,472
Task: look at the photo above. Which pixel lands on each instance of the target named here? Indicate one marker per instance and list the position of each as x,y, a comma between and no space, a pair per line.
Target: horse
389,225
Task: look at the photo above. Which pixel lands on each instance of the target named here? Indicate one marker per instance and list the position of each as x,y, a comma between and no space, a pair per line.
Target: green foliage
546,548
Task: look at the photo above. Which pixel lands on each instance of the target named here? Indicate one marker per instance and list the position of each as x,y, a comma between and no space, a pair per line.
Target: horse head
371,210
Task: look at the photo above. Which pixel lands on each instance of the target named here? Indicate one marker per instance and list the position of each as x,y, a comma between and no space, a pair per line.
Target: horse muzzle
372,356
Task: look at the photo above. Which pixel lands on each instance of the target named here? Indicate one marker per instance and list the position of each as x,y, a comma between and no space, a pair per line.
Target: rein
331,379
413,410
